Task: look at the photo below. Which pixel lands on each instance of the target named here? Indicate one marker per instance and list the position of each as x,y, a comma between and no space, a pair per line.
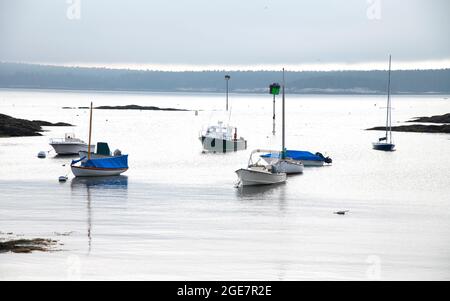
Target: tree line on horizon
16,75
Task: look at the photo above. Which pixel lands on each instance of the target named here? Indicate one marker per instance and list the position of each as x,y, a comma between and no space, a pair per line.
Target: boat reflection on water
92,187
272,196
113,182
259,190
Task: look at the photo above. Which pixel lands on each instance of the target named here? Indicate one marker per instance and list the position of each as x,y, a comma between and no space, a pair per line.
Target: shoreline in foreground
16,127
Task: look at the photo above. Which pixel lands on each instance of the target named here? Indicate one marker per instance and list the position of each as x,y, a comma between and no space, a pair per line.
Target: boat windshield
219,131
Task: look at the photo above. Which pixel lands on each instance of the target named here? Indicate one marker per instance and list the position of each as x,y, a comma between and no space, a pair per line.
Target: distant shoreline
345,82
213,92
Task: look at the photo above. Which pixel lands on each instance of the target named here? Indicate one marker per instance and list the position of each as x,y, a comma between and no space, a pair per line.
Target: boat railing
256,151
66,140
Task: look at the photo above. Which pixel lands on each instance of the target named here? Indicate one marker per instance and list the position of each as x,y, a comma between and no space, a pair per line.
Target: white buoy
42,154
62,178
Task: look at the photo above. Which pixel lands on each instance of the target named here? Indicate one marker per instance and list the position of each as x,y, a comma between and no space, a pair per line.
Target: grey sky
224,32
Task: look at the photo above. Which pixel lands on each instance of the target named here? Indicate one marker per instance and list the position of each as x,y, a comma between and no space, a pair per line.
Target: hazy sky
205,34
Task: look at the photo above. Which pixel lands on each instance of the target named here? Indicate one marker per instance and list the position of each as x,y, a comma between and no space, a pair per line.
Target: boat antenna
389,105
227,78
229,114
283,117
90,133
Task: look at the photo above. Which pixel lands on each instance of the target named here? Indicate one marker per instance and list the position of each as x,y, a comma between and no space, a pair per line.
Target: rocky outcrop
27,245
15,127
422,128
433,119
416,128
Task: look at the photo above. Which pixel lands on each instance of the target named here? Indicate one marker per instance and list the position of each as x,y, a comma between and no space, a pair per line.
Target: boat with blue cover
99,166
307,158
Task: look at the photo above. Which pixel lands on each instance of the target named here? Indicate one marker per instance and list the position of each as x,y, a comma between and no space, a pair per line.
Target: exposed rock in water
136,107
422,128
15,127
433,119
416,128
46,123
27,245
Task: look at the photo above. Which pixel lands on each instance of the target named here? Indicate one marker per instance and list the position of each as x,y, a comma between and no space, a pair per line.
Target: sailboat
265,174
220,137
99,167
284,164
385,143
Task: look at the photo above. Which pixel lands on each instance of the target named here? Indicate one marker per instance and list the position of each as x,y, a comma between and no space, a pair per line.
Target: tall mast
283,121
388,107
90,133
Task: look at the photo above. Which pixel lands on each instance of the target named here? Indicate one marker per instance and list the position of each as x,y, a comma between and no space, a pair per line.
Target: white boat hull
306,163
383,146
223,145
70,148
251,177
288,166
79,171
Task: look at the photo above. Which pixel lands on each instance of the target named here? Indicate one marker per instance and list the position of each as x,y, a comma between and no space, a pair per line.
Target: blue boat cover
111,162
296,155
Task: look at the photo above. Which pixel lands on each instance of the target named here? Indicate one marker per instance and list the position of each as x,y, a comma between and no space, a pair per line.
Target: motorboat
259,173
221,138
69,145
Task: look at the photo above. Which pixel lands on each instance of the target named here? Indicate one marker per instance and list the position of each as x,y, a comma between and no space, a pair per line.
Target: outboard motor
117,152
327,160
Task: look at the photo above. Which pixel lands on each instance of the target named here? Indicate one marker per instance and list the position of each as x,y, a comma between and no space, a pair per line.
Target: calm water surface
176,214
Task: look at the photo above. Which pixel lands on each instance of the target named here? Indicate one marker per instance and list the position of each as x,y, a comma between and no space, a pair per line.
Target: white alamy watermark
374,10
73,11
73,263
373,272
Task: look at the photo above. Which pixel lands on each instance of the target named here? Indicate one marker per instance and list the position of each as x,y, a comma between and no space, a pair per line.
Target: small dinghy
259,173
